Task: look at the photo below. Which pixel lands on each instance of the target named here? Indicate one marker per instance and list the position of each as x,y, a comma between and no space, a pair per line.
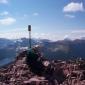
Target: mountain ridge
62,49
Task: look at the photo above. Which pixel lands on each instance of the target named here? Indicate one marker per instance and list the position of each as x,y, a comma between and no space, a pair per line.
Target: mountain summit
55,72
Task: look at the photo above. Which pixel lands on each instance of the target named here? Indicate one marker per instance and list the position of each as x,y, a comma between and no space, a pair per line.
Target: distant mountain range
64,49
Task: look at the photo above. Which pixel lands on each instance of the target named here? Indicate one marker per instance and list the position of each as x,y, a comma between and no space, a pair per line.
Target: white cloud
75,34
4,13
78,31
35,14
7,21
69,16
19,33
22,32
15,34
74,7
4,1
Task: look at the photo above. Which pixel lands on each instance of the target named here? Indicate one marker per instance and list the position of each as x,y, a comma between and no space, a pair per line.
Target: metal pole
29,29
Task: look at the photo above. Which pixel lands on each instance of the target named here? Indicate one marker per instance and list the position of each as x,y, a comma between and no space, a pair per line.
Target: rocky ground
64,73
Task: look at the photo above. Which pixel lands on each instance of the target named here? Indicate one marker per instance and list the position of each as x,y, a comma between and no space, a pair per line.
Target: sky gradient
50,19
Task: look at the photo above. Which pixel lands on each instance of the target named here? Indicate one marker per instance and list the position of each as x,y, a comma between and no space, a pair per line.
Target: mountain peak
19,73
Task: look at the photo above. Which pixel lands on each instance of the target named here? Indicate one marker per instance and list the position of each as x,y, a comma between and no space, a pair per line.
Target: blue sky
51,19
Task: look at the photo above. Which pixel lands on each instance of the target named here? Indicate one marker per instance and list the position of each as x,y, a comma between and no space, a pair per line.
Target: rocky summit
56,72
